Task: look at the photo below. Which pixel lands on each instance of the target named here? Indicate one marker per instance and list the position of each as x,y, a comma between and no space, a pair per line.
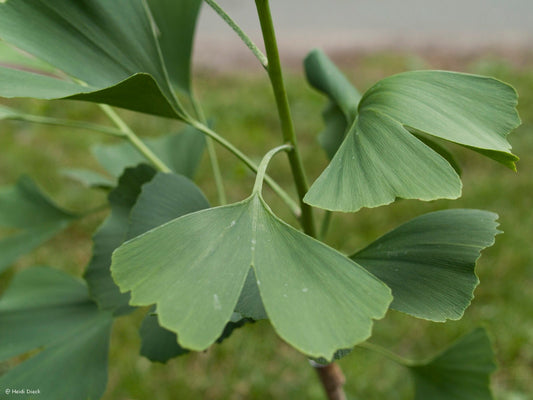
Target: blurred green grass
254,363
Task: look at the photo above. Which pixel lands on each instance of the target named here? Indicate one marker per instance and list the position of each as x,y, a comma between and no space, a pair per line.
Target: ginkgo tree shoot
204,270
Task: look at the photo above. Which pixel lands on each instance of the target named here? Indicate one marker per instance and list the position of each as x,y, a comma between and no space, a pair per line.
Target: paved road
374,24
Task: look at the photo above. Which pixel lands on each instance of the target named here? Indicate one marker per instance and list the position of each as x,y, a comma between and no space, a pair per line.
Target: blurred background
369,40
336,26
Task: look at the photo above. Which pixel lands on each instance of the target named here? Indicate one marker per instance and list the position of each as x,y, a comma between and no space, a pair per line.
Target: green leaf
159,344
323,75
110,46
443,151
333,134
462,372
341,109
164,198
194,268
141,201
46,308
429,261
32,216
176,23
380,160
14,83
88,178
471,110
182,152
112,234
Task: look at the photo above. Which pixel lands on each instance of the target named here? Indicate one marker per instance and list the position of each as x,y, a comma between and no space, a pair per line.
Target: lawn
254,363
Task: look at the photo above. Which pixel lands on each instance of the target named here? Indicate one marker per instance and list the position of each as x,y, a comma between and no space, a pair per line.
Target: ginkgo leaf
49,310
142,200
15,83
164,198
380,159
112,234
160,344
194,269
110,46
181,152
461,372
323,75
176,19
341,110
32,218
429,261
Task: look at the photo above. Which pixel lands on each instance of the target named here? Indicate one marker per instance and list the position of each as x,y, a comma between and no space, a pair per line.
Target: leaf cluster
203,271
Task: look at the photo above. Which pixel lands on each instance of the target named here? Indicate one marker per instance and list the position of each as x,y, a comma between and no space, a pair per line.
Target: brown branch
332,380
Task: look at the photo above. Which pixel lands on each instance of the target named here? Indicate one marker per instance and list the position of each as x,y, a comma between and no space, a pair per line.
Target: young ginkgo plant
204,270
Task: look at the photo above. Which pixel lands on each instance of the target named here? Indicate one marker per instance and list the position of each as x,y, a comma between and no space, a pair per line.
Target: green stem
134,139
389,354
251,45
215,166
67,123
249,163
261,171
282,102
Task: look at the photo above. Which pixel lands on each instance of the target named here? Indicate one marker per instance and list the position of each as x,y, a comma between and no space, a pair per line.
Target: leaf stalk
293,206
261,171
406,362
134,139
211,151
237,29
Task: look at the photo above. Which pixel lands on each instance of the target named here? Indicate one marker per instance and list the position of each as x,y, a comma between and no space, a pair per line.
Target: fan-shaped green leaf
195,267
141,201
47,308
379,158
182,152
33,217
429,261
471,110
112,234
108,45
462,372
164,198
388,161
176,23
341,110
